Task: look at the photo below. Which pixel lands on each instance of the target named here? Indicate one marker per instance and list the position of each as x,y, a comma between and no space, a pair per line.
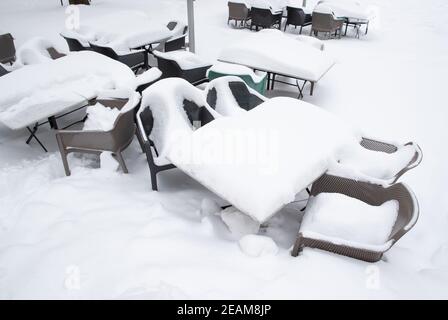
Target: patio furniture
7,49
257,81
327,23
115,140
74,44
297,18
386,147
375,195
256,52
264,18
177,42
182,64
134,59
55,54
238,12
3,71
356,24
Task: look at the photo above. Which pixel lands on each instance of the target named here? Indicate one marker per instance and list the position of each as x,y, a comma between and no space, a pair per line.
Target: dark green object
259,87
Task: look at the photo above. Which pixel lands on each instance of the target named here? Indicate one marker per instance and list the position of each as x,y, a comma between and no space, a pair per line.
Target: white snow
237,70
100,117
185,59
349,221
272,50
258,246
346,8
105,235
238,223
32,52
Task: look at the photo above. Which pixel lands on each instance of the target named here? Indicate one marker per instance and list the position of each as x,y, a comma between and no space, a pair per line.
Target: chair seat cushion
343,220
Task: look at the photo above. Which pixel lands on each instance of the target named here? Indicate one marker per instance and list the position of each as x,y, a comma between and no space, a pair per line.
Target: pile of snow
346,8
178,30
348,221
312,41
259,160
38,91
237,70
148,76
374,164
238,223
273,5
121,31
33,51
272,50
185,59
226,104
258,246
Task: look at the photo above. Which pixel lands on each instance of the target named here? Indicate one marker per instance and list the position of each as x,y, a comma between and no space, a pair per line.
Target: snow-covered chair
183,64
74,44
238,12
329,231
297,18
7,49
178,40
264,18
135,59
323,20
169,105
113,140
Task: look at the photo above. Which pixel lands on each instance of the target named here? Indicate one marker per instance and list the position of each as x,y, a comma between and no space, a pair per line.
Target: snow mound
258,246
237,70
100,117
108,162
33,51
349,221
346,8
238,223
185,59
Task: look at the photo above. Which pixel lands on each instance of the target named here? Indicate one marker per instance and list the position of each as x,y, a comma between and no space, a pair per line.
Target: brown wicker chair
7,49
371,194
327,23
380,146
238,12
115,140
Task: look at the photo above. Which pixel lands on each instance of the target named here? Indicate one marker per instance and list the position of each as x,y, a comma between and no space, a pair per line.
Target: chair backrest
238,11
107,51
7,48
169,68
54,54
175,44
3,71
322,21
296,16
74,44
171,25
262,17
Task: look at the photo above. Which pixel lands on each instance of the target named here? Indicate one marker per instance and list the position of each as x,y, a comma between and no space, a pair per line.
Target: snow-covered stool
356,219
255,79
183,64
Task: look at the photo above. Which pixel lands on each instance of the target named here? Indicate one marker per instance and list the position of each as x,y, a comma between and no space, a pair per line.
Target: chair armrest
94,140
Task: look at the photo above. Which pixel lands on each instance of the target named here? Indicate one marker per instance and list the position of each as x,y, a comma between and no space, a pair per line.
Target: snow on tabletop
185,59
33,51
346,8
258,246
258,161
272,50
35,92
375,164
226,104
121,31
238,70
312,41
349,221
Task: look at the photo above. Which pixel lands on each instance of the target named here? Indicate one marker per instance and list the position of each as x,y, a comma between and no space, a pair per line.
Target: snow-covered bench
274,52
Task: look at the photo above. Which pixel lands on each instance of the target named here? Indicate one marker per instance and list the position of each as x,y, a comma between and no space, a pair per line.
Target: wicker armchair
238,12
74,44
7,49
327,23
375,195
297,18
264,18
135,60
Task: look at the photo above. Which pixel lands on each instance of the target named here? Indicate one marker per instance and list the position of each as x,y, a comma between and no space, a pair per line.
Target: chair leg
154,180
63,153
285,26
300,32
140,140
120,160
297,246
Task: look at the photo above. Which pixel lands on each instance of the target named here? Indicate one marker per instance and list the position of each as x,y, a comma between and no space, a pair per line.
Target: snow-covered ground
104,234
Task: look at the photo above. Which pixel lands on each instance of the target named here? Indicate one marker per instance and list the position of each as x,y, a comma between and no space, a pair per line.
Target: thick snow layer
258,246
346,8
100,117
316,43
349,221
272,50
105,235
33,51
259,160
185,59
38,91
121,31
238,223
237,70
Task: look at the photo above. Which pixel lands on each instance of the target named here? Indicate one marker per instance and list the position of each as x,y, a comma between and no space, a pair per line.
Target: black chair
7,49
134,60
264,18
177,43
3,71
297,18
74,44
171,69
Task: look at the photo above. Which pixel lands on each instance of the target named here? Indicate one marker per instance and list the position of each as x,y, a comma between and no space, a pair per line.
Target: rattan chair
326,23
177,42
239,13
95,141
7,49
375,195
297,18
135,60
74,44
264,18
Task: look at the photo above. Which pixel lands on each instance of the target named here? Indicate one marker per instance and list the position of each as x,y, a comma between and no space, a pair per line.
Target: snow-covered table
277,54
56,87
